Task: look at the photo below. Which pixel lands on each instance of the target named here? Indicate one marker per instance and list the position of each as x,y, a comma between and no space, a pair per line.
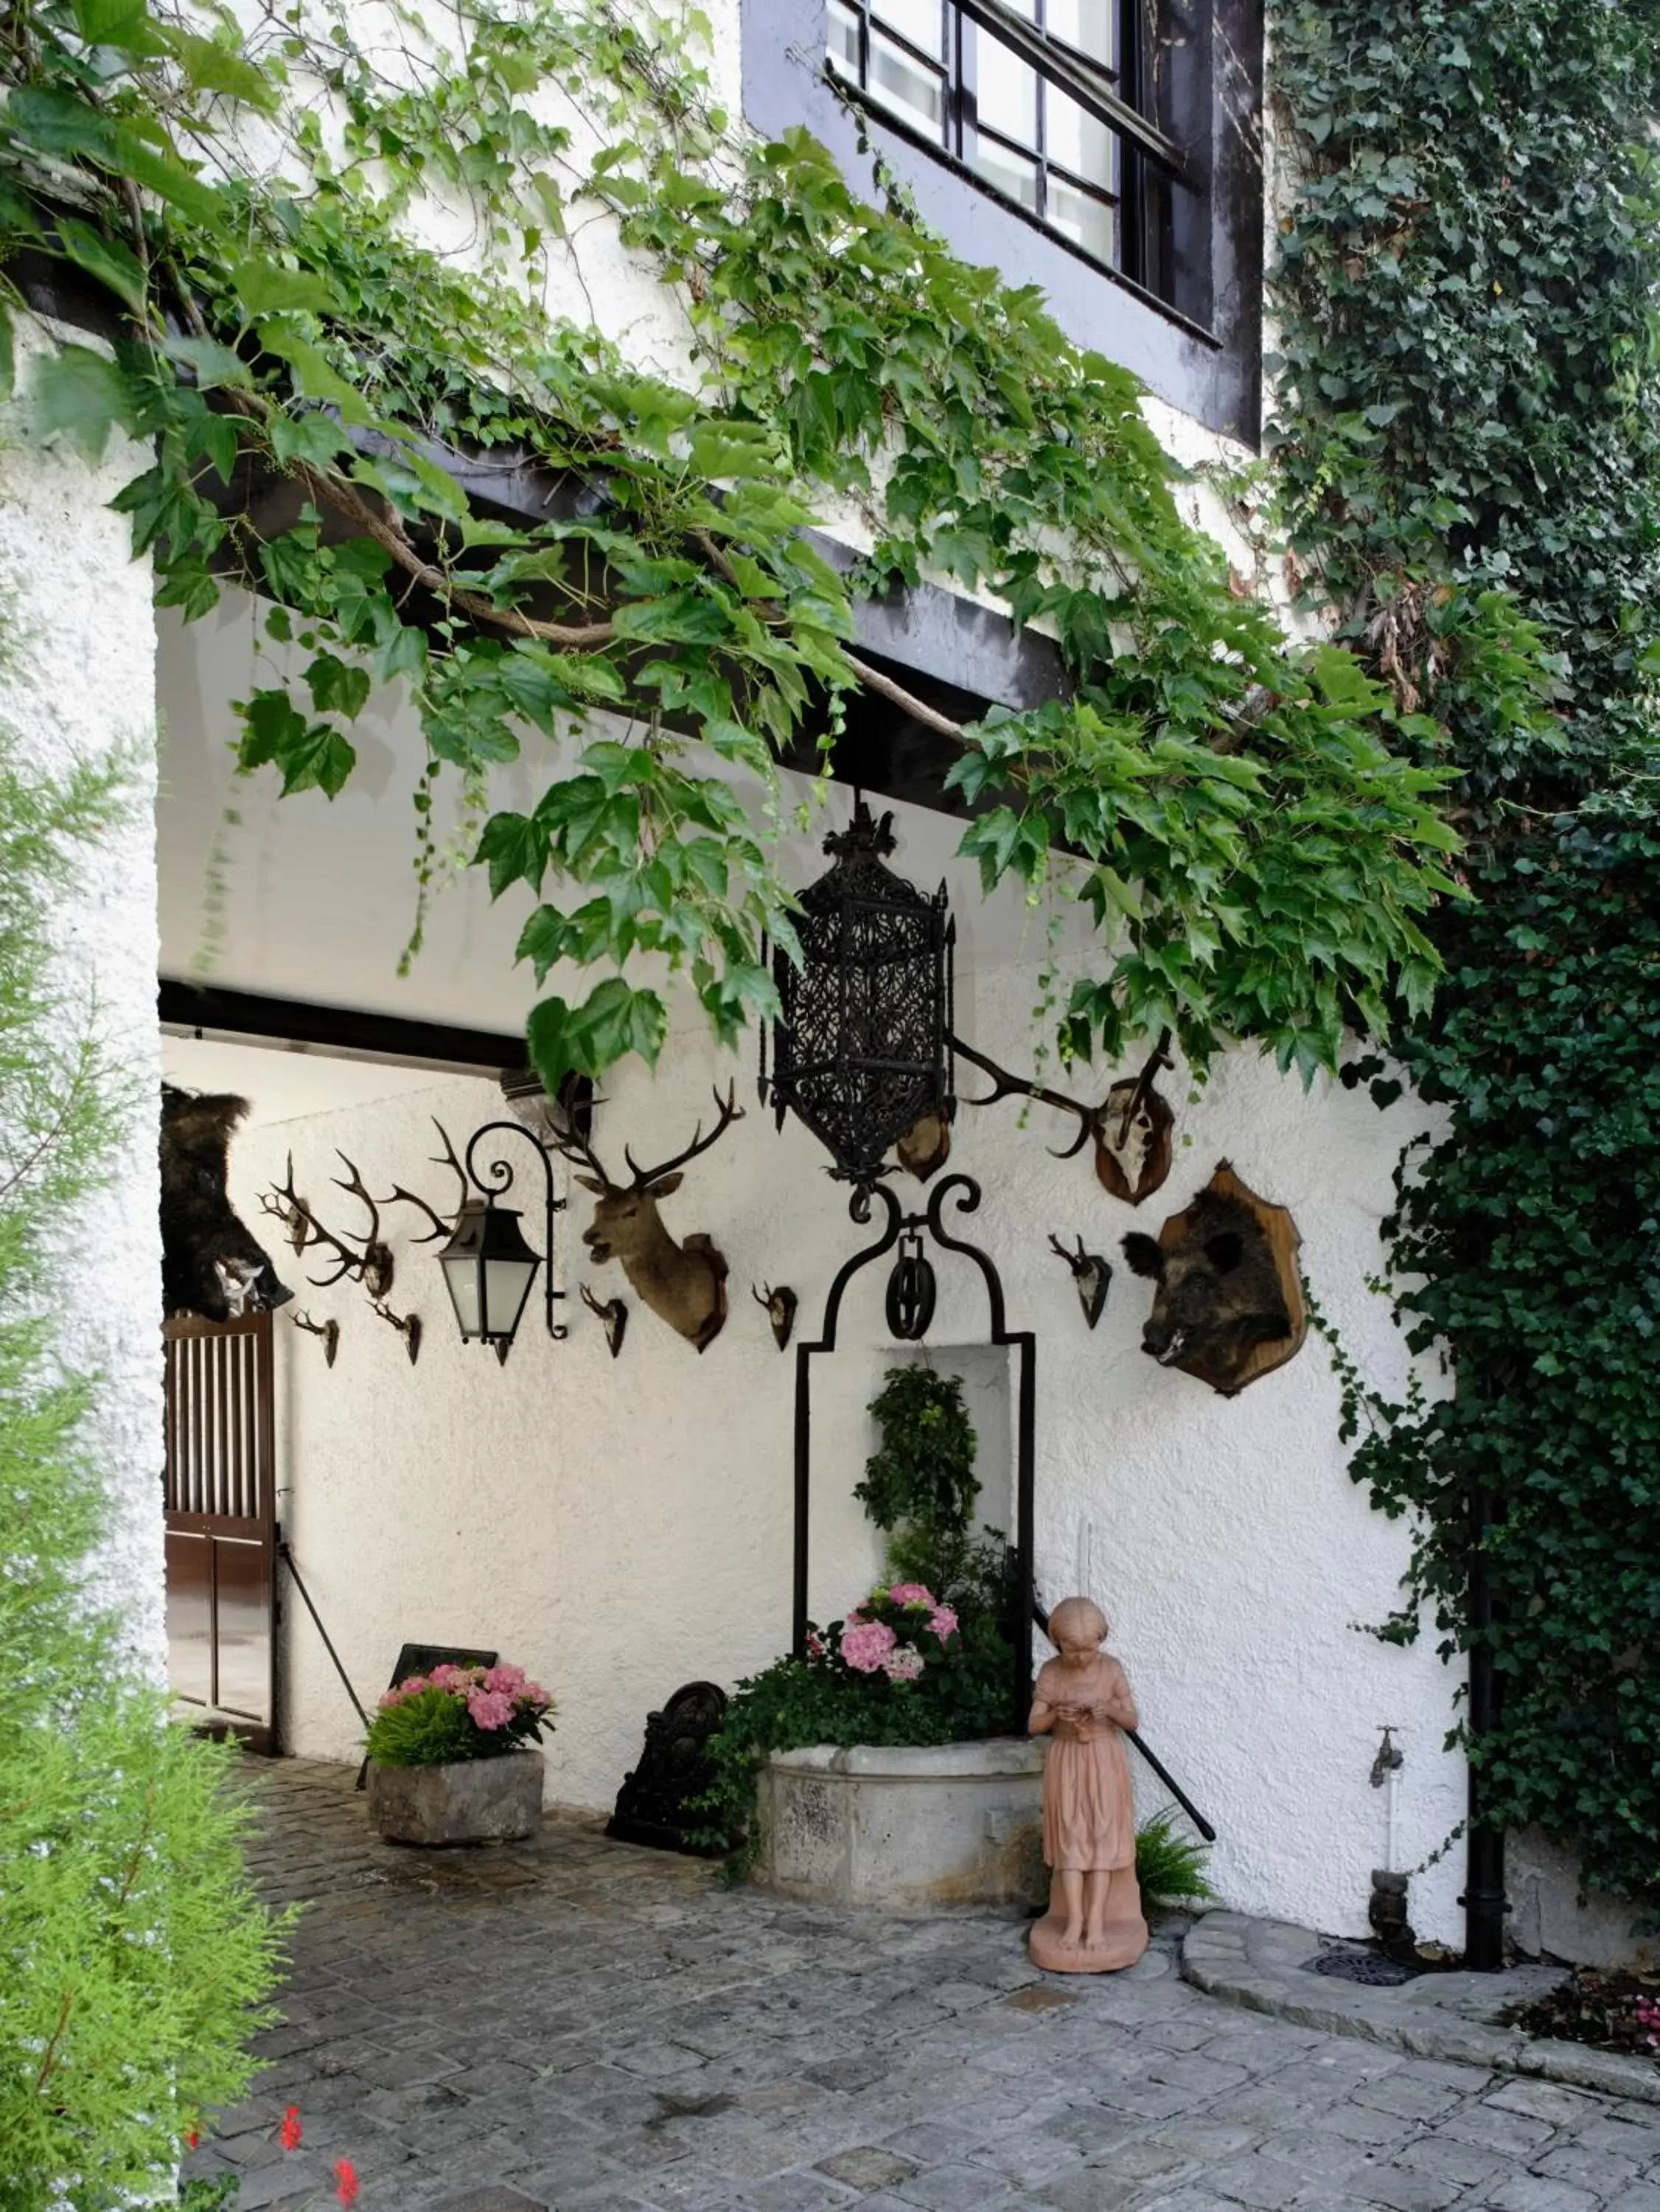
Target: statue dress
1088,1817
1094,1923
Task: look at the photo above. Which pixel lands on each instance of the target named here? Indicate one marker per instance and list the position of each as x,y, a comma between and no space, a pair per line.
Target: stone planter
911,1830
475,1800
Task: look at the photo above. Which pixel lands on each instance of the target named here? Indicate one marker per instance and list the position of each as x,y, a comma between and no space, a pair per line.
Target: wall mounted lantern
862,1047
488,1266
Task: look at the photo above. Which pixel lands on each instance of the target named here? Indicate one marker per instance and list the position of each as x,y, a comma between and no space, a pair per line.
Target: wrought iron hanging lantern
862,1047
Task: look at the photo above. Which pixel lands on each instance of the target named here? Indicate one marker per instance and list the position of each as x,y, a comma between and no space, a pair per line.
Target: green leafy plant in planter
926,1657
457,1713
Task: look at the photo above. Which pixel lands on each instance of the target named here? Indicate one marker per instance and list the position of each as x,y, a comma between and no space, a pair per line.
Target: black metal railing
1049,105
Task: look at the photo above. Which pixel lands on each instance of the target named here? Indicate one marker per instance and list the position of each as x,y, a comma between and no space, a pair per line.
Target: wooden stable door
221,1526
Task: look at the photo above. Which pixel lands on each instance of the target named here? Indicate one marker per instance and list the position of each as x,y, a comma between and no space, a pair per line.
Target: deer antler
570,1144
328,1330
400,1197
1092,1120
730,1111
450,1162
352,1183
374,1263
407,1325
1074,1259
763,1297
289,1208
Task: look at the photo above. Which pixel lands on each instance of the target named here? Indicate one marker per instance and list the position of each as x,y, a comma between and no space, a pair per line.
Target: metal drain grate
1365,1966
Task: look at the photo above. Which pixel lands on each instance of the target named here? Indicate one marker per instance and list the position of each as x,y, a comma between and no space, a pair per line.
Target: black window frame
1185,314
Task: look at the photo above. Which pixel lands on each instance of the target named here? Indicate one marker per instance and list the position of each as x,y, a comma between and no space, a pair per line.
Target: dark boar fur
1218,1294
210,1264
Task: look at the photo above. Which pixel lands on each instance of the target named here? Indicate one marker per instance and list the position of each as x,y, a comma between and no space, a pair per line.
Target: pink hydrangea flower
866,1645
490,1709
410,1687
505,1678
533,1694
446,1677
944,1622
911,1594
903,1665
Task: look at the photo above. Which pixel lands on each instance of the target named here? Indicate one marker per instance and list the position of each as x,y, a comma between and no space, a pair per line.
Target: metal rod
1174,1787
1484,1901
287,1557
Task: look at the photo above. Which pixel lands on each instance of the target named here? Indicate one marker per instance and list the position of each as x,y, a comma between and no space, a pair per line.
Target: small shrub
1171,1868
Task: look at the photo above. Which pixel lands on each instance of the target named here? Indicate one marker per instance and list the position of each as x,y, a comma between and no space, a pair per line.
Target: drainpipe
1483,1899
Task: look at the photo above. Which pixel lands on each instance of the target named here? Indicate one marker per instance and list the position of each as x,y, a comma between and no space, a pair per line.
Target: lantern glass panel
487,1269
507,1286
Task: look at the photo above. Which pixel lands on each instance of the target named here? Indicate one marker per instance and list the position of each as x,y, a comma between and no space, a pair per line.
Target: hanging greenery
1246,820
1470,400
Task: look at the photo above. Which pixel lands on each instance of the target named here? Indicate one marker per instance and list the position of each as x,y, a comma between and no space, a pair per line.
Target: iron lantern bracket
496,1181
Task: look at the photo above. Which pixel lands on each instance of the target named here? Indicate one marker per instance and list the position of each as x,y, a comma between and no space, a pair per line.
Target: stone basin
907,1828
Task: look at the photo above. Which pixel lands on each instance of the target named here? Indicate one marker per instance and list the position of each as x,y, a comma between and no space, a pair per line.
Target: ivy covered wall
1469,407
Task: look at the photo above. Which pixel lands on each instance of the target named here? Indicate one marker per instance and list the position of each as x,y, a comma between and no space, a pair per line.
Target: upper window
1107,152
1048,102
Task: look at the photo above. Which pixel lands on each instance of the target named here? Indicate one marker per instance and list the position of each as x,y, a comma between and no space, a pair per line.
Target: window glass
1087,222
1085,24
1010,172
844,39
1005,92
1076,141
903,83
978,100
922,21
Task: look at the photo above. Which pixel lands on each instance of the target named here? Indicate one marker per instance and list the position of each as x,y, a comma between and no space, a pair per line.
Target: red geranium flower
345,2180
291,2129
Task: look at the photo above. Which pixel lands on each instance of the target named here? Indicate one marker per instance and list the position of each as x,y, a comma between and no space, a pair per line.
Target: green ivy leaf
338,687
612,1022
82,396
113,263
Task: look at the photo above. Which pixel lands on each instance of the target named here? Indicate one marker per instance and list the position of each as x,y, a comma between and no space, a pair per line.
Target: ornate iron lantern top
862,1049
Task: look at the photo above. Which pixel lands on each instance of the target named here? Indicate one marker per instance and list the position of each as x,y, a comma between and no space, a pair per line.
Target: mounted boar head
1229,1305
685,1283
210,1263
1131,1128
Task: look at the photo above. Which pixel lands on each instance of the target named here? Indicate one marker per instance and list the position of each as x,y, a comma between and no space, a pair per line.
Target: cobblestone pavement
579,2026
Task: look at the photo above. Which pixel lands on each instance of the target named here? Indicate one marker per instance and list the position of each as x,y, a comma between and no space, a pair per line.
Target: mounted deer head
1130,1128
685,1283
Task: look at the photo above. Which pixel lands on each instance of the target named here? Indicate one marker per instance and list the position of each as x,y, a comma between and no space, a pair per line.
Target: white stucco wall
621,1527
81,681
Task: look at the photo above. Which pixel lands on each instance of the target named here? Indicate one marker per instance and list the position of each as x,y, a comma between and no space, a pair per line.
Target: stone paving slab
1262,1966
569,2024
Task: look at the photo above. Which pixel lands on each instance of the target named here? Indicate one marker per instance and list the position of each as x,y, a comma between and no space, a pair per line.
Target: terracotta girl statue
1095,1921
